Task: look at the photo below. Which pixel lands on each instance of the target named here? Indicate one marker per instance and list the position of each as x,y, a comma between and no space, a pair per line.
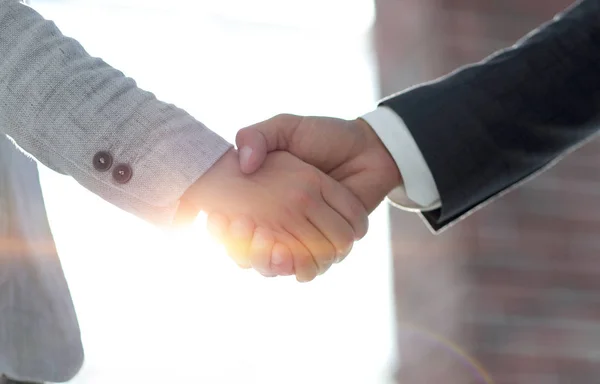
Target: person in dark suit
448,147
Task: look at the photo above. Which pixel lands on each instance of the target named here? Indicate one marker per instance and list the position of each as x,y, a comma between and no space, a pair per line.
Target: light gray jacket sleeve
63,107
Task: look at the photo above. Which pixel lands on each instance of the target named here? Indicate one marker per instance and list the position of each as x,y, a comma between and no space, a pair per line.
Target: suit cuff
78,115
419,192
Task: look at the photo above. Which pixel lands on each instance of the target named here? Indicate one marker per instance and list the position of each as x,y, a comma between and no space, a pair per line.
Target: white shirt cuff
419,192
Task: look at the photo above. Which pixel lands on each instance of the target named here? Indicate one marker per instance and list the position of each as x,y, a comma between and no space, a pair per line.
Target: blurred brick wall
517,285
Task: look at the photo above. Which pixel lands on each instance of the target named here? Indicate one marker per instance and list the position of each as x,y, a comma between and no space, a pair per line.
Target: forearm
63,107
492,124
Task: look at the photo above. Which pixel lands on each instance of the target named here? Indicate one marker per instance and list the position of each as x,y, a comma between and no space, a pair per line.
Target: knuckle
285,118
300,198
310,179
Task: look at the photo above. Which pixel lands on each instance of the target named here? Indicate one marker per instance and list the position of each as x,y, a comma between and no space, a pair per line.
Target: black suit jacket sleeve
490,125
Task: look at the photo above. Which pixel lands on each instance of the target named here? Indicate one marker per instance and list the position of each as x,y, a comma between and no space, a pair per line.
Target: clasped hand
297,194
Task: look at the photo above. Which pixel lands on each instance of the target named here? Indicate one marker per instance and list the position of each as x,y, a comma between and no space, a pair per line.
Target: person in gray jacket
81,117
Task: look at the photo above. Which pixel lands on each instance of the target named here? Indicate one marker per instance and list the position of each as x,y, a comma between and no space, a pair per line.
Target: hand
310,217
347,150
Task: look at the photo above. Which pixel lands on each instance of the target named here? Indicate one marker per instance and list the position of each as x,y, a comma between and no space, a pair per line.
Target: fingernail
342,254
244,265
277,258
245,154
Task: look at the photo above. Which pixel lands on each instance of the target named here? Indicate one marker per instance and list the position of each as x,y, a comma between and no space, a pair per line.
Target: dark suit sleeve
490,125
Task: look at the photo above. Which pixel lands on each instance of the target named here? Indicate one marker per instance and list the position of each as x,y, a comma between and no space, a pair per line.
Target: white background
158,307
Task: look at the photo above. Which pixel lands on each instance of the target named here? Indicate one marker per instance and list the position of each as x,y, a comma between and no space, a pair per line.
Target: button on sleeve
122,173
102,161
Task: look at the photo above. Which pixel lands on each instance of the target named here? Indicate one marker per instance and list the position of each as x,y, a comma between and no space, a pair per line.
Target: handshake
296,195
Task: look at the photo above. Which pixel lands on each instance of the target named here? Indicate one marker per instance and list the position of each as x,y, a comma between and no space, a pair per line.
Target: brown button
102,161
122,173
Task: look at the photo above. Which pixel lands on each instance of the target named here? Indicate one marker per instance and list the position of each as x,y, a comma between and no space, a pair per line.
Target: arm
479,130
64,107
81,117
462,139
491,125
418,191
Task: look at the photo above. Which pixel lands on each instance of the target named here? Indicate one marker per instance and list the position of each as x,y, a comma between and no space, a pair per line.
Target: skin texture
348,151
287,205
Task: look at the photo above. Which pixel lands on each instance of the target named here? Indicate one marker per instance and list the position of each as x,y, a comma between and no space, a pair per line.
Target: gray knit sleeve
64,107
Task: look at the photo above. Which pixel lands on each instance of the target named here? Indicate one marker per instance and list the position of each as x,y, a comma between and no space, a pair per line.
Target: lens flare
470,362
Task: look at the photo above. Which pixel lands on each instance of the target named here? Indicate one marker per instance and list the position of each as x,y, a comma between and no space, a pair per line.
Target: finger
260,251
217,225
255,141
340,199
253,151
282,261
270,258
341,257
333,227
305,267
320,249
238,241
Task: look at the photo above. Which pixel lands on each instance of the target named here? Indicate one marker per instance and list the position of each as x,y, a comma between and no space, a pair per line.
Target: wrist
380,157
190,203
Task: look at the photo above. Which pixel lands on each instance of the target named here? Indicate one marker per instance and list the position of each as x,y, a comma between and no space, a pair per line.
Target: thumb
255,141
253,149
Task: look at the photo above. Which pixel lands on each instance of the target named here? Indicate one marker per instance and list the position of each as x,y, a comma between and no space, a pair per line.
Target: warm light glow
171,307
